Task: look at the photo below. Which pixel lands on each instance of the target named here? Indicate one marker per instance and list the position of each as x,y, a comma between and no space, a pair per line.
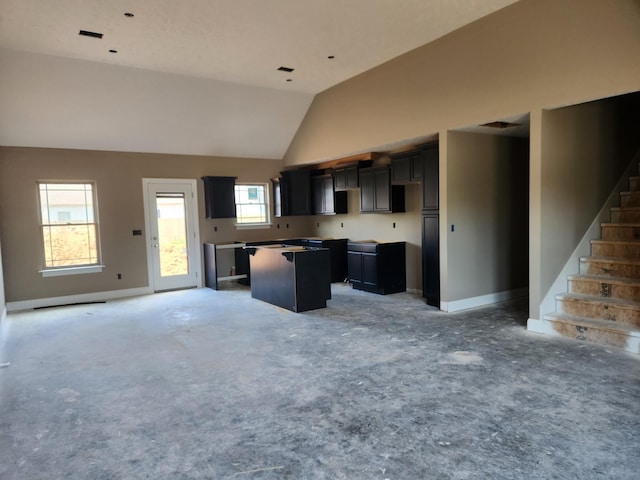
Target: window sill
251,226
59,272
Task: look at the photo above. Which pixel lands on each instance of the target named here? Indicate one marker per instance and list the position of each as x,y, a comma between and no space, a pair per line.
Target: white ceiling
212,62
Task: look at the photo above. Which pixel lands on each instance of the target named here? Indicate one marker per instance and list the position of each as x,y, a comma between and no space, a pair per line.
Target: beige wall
118,178
487,203
532,54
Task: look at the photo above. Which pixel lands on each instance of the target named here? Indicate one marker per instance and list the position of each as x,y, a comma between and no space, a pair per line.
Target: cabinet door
317,186
340,178
327,195
354,267
352,177
296,192
279,204
430,182
401,170
382,189
431,259
367,191
416,167
219,197
370,269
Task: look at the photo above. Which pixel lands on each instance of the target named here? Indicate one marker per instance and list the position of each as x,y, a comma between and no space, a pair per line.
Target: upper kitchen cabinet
280,202
326,201
292,193
345,175
430,178
406,168
377,195
346,178
219,197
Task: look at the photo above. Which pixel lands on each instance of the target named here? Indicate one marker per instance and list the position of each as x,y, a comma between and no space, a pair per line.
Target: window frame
267,206
68,269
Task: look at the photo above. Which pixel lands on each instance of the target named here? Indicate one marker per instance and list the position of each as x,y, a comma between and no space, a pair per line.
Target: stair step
634,184
599,286
629,199
611,309
625,215
610,267
615,248
601,332
620,231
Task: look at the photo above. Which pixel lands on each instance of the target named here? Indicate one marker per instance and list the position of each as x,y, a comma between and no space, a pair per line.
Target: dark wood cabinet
295,278
430,178
406,168
431,259
377,267
219,197
346,178
292,193
280,203
326,201
430,225
338,255
377,195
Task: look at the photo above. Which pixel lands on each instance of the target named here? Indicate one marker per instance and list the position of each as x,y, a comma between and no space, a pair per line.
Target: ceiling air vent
285,69
500,125
87,33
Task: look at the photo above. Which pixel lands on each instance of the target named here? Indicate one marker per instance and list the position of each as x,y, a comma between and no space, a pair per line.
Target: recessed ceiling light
113,51
285,69
87,33
129,14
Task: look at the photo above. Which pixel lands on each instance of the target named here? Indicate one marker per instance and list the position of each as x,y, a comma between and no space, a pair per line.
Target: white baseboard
541,326
80,298
483,300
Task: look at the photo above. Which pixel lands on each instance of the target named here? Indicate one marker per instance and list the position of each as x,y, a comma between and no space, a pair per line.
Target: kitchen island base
291,277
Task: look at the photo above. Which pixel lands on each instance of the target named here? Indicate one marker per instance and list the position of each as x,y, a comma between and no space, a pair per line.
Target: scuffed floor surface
213,384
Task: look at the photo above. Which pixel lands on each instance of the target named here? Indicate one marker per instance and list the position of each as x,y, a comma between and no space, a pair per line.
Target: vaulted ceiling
195,76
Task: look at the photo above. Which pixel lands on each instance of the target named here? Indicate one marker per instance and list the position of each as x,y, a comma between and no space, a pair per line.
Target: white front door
172,234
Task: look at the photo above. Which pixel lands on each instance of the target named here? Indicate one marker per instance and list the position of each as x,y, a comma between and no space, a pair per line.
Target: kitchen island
293,277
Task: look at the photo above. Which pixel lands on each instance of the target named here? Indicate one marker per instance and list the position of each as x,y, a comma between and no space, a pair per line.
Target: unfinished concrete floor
213,384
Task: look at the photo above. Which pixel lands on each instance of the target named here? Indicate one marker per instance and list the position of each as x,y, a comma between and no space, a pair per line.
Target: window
69,227
252,205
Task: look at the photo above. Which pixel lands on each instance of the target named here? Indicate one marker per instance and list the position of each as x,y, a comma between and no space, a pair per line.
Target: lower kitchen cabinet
291,277
377,267
338,255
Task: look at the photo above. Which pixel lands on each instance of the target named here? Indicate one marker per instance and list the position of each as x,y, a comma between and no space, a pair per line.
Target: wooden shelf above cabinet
346,161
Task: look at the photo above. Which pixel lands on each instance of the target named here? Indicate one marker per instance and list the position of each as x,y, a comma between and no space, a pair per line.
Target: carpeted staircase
603,302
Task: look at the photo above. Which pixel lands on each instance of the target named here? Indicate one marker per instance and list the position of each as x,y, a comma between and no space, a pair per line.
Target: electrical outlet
119,276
